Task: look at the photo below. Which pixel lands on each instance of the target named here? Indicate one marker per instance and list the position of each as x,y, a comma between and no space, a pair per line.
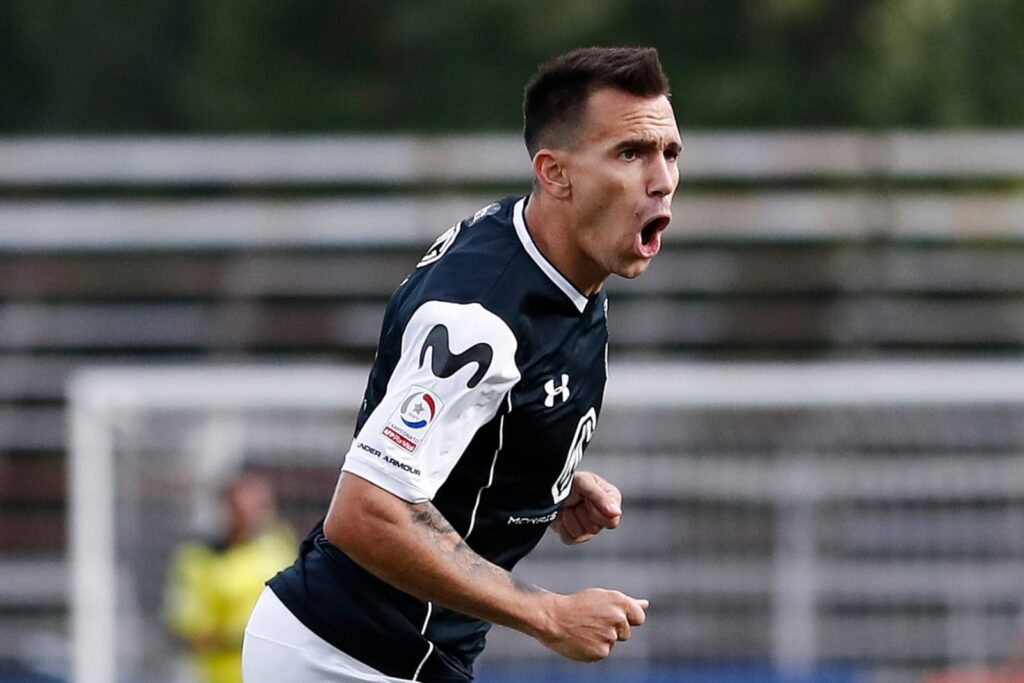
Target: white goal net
799,517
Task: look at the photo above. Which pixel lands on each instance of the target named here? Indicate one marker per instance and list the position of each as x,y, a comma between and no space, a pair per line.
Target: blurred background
817,401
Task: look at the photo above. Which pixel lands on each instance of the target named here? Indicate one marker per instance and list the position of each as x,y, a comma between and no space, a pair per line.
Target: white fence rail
405,221
358,159
433,174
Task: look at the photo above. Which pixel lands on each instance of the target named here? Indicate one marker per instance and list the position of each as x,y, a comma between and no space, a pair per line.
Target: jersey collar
578,299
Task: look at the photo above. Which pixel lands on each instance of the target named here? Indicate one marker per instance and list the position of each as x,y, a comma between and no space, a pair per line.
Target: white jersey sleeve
456,366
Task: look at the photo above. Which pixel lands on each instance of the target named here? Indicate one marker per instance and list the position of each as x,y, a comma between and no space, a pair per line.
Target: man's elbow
348,527
341,530
361,524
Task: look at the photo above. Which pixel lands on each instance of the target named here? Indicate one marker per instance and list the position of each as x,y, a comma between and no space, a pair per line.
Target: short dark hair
557,94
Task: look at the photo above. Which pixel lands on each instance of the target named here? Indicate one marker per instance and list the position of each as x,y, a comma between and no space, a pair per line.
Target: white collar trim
567,287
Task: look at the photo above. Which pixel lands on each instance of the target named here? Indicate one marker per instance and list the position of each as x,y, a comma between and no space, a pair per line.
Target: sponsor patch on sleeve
413,418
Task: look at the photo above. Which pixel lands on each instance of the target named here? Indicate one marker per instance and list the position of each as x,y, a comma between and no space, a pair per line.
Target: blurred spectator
213,586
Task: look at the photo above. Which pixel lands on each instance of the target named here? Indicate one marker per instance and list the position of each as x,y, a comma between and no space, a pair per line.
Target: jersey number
584,432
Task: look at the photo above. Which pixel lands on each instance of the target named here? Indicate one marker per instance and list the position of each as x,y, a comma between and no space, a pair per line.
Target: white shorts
278,648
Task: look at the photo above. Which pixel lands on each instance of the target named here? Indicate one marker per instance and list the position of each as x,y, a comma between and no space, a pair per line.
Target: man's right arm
414,548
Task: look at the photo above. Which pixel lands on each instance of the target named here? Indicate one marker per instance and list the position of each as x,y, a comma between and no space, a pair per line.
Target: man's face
623,174
251,504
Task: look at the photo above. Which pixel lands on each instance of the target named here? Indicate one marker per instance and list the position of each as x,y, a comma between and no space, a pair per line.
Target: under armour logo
444,363
554,391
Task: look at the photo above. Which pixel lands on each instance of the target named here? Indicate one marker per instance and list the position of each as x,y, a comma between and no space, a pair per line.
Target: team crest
440,246
413,418
584,432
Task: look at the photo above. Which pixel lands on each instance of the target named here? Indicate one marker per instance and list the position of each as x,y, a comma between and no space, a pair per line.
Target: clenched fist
584,626
593,504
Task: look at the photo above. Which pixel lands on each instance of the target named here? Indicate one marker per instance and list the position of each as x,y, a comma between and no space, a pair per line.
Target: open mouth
652,229
650,236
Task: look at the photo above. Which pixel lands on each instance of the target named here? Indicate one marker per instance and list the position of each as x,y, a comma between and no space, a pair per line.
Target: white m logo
554,391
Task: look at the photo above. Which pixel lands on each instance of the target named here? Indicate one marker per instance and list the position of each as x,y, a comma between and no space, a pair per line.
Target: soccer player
485,391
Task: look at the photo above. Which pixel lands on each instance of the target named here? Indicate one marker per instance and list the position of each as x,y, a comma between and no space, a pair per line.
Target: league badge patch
413,418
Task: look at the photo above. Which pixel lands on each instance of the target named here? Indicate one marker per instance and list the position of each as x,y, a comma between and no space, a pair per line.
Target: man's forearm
469,583
414,548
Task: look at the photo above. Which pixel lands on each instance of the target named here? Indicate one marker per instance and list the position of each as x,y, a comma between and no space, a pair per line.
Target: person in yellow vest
212,587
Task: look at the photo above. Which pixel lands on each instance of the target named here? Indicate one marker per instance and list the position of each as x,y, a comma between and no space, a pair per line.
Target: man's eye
672,156
628,154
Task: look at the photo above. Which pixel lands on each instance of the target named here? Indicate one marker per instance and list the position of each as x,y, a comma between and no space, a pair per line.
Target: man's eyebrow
646,143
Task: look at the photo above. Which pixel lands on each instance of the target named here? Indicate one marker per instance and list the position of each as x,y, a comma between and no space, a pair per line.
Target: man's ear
550,171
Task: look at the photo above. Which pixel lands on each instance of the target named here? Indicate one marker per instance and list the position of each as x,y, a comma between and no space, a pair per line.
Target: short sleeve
457,364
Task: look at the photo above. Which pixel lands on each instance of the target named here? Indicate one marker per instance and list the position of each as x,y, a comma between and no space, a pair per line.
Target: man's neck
554,232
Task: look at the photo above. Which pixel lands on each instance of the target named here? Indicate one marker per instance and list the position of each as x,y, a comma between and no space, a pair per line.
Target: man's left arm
593,504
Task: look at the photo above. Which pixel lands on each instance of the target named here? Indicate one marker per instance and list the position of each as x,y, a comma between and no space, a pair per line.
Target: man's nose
663,178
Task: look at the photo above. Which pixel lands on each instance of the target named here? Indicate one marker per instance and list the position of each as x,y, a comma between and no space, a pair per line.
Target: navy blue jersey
486,389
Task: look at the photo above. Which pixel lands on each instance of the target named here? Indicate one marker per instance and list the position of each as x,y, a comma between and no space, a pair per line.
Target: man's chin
634,269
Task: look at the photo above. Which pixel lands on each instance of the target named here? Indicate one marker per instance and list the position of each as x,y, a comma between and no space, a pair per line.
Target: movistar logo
542,519
444,363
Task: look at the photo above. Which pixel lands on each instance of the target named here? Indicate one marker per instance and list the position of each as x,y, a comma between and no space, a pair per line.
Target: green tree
428,65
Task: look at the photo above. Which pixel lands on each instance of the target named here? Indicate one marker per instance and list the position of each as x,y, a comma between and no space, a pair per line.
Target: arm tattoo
439,530
427,515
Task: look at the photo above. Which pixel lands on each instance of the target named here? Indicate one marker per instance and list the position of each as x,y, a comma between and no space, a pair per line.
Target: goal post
796,513
102,402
